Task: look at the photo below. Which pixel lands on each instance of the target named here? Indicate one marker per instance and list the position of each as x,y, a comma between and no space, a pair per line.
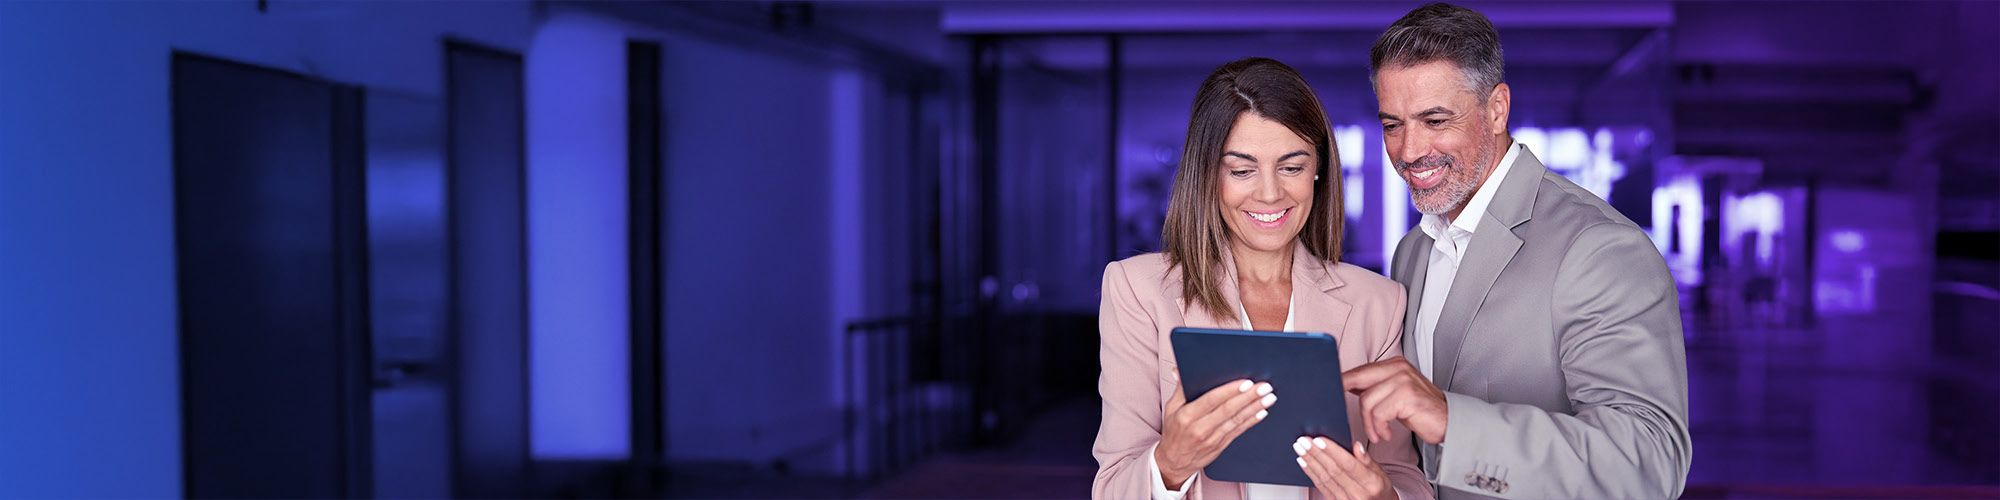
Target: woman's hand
1195,432
1341,476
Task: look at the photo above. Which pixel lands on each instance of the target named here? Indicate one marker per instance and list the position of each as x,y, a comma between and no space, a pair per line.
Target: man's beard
1460,182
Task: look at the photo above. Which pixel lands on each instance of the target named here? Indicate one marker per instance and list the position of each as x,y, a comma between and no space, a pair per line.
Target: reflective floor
1849,407
1877,403
1777,408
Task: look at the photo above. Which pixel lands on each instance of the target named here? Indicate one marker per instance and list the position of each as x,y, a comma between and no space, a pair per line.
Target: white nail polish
1261,414
1264,388
1299,449
1321,443
1302,463
1244,387
1270,399
1360,448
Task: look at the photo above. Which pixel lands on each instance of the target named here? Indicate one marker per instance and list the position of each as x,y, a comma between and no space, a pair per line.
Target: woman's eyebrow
1287,156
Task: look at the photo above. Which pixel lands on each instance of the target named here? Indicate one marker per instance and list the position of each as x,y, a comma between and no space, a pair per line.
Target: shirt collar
1468,219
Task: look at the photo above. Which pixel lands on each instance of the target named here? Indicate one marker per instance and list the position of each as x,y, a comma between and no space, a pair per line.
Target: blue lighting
579,308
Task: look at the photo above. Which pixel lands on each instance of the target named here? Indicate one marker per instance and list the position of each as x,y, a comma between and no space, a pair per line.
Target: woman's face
1267,184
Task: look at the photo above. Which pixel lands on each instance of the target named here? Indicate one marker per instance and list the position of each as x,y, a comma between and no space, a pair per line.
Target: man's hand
1391,390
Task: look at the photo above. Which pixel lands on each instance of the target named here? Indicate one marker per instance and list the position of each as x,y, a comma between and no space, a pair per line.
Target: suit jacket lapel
1493,247
1410,267
1491,251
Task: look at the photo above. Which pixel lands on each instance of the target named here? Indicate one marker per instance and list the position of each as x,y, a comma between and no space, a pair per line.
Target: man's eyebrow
1437,110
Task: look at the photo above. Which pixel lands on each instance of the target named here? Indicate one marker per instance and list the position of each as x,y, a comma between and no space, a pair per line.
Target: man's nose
1413,147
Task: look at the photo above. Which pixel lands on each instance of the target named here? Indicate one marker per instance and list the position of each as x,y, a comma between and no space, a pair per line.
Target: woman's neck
1262,267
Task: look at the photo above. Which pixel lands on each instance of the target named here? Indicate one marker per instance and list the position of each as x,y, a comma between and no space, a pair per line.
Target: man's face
1442,137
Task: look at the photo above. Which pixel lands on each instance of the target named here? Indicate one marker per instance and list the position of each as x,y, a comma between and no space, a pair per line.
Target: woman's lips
1268,220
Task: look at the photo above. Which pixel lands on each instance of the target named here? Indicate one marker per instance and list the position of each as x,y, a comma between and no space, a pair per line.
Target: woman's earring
1315,176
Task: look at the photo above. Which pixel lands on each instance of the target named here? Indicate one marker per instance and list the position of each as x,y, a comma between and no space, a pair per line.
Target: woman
1252,241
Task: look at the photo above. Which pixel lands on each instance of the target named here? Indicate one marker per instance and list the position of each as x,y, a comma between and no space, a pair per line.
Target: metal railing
903,407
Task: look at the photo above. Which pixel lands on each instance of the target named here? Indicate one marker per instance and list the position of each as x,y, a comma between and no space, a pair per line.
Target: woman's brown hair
1194,234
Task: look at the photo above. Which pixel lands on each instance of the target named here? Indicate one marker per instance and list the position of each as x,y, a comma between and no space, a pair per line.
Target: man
1543,354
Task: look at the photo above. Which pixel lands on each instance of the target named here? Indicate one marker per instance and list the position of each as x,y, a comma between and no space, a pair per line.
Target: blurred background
425,249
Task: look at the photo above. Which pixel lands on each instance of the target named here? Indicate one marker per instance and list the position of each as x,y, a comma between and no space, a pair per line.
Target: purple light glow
1848,240
1761,214
1353,195
579,381
1584,158
1677,215
1395,208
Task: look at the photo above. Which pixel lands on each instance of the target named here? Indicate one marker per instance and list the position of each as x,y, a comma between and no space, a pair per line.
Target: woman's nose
1268,190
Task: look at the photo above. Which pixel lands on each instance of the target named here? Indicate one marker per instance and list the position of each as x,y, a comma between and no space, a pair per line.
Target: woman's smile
1268,220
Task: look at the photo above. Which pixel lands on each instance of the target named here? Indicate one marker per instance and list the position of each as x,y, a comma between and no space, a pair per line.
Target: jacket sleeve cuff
1458,466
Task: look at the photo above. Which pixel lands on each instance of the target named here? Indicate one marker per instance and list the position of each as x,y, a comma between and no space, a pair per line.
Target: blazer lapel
1492,248
1315,308
1195,316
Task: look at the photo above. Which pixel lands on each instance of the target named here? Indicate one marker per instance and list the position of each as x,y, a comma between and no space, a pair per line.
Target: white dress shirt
1450,240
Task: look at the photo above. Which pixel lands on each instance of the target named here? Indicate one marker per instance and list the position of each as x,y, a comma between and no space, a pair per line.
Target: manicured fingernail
1301,442
1320,442
1244,387
1263,388
1302,462
1270,399
1299,448
1261,414
1360,449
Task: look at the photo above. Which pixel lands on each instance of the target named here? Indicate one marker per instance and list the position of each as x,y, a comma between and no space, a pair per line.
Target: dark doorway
486,200
646,199
271,243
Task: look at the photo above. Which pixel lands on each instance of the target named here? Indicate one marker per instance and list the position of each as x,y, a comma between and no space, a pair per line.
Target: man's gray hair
1443,32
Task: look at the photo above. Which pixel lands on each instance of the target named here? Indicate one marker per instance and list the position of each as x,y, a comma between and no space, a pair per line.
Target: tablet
1304,371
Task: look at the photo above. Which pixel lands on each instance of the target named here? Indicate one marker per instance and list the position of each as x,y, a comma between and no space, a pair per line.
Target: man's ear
1498,104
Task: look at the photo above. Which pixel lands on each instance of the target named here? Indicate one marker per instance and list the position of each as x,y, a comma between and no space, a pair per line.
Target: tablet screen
1303,369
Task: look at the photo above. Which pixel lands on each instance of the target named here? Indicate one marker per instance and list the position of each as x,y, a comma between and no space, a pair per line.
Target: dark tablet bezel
1304,370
